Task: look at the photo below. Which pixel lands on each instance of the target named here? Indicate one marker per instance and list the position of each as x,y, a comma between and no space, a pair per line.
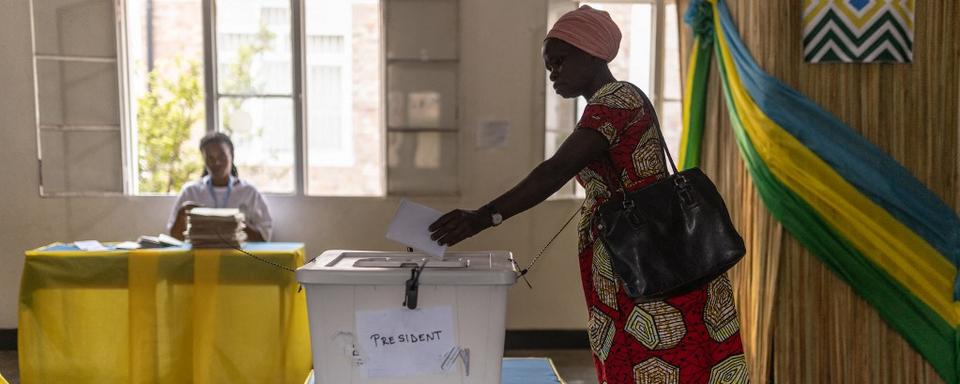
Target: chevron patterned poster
858,31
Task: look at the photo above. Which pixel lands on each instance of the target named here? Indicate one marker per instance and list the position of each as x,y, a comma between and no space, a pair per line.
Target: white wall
501,78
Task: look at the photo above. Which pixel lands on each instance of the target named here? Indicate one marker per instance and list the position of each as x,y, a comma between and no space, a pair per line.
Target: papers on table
159,241
90,245
410,226
164,238
127,245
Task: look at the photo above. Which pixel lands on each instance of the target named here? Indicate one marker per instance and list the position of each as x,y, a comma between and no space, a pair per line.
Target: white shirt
241,194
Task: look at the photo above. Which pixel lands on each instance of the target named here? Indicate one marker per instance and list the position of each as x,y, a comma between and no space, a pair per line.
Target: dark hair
218,138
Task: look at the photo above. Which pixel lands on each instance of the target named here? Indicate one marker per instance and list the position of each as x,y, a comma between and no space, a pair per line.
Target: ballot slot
405,262
457,260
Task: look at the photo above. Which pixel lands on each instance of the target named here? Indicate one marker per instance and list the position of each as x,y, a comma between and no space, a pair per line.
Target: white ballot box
363,330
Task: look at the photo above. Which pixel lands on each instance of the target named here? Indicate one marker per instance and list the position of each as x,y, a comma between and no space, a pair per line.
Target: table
162,316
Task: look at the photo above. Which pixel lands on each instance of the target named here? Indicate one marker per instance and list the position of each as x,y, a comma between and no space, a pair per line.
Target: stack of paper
215,228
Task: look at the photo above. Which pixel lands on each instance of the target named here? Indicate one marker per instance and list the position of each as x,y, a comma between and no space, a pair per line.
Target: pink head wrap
591,30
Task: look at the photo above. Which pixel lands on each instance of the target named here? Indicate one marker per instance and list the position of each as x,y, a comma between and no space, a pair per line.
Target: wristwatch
495,217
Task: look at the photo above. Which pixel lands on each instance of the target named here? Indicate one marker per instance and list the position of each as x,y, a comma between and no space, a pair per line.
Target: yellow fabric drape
163,316
801,323
877,234
2,380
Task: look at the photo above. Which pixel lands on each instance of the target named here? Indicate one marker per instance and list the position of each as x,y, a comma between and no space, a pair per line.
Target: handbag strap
663,143
656,121
523,272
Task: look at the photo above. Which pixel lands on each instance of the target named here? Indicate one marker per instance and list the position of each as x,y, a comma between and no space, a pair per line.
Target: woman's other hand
457,225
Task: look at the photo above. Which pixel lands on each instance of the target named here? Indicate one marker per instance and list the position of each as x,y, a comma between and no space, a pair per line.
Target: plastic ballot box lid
345,267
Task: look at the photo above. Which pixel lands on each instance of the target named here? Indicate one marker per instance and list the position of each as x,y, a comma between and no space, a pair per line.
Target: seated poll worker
221,187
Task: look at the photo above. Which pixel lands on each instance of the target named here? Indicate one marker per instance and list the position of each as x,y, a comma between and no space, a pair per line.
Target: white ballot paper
401,342
90,245
410,226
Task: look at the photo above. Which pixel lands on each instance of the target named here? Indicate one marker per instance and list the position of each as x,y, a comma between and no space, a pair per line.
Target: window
338,123
344,112
255,88
79,136
648,57
126,88
165,80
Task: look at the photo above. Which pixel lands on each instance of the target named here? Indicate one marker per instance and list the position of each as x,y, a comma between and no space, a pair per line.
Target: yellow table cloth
162,316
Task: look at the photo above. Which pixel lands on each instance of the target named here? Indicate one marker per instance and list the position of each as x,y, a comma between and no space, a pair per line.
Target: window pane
253,47
422,162
635,60
81,161
560,113
262,134
75,27
413,27
165,69
422,96
671,122
554,139
78,93
671,54
344,141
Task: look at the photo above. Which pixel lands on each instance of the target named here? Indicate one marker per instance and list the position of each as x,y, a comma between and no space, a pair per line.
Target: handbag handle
663,143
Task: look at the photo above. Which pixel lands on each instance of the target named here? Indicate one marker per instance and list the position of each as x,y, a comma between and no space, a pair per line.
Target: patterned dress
690,338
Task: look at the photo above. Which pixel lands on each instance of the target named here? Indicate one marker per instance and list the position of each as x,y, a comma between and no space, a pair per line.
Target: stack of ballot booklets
215,228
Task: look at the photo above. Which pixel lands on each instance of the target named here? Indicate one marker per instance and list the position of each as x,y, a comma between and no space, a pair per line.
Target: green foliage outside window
165,116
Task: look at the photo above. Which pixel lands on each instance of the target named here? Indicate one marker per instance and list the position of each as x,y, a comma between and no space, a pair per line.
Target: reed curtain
801,323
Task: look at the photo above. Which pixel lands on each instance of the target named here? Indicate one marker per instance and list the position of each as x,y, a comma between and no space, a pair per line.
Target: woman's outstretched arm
579,149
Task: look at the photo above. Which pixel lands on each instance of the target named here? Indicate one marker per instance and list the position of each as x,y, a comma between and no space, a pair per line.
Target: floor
8,366
574,365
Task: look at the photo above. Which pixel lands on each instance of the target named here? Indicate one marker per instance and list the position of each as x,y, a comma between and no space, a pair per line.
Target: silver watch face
496,218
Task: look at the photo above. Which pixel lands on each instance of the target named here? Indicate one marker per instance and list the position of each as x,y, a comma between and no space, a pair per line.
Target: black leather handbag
670,237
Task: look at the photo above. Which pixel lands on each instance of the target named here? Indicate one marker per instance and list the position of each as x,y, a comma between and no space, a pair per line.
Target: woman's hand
457,225
578,150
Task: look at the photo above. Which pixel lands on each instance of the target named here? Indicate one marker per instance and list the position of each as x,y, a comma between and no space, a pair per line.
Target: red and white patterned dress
690,338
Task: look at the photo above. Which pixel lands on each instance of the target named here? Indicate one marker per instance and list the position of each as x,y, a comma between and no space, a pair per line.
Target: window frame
118,61
212,94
